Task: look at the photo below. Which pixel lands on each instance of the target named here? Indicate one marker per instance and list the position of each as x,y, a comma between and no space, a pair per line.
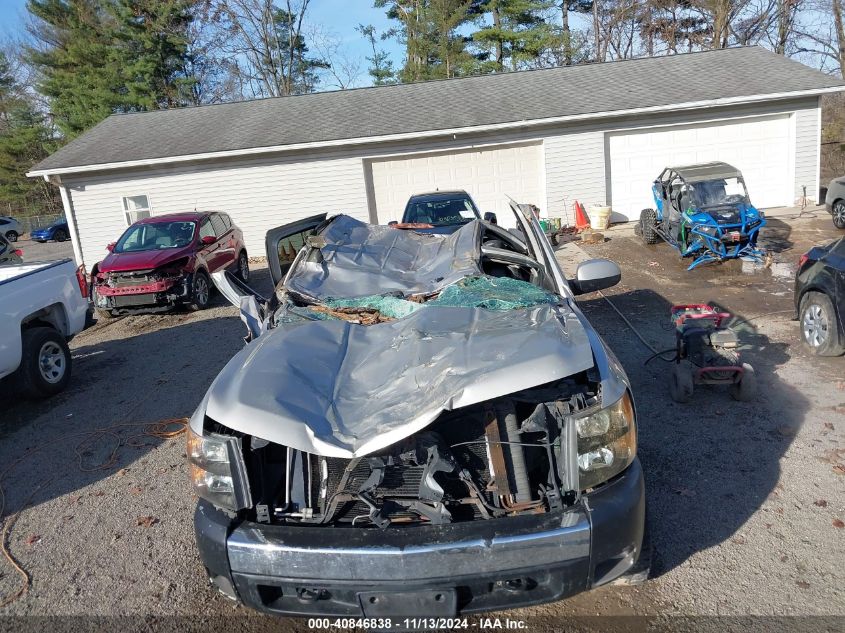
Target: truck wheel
201,292
681,383
648,220
746,388
839,214
819,328
45,363
59,235
12,236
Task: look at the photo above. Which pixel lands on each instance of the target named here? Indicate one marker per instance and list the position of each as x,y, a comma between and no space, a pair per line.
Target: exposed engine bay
493,459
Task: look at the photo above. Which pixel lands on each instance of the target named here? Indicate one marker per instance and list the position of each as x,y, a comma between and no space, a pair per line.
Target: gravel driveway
44,251
746,499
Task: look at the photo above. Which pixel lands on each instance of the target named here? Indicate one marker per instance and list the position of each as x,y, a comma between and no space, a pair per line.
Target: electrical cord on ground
163,429
660,356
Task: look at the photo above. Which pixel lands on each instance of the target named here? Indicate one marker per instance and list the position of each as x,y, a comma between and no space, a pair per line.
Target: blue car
704,212
56,231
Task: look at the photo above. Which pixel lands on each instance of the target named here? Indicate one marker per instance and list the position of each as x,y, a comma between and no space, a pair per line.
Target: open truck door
283,245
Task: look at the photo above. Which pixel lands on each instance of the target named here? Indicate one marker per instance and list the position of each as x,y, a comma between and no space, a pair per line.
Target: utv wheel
60,235
680,383
45,363
243,267
746,389
12,236
648,220
201,291
819,328
839,214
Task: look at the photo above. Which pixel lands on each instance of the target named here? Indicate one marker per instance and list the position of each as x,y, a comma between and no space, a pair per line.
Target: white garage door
489,175
760,148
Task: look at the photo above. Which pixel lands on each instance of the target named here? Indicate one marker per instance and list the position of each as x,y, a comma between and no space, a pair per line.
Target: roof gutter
369,140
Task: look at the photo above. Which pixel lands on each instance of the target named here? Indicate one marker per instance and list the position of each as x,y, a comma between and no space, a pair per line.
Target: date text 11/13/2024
417,623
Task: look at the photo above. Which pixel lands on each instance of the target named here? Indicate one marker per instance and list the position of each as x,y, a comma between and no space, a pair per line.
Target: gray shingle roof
439,105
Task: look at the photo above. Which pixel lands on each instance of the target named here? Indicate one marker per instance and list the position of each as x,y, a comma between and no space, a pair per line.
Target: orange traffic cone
581,221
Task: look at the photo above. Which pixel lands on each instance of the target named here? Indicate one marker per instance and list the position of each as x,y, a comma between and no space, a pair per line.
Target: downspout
69,216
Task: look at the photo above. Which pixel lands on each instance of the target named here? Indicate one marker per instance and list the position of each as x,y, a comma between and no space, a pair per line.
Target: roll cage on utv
703,211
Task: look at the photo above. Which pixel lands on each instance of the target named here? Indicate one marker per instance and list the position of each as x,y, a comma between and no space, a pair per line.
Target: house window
136,208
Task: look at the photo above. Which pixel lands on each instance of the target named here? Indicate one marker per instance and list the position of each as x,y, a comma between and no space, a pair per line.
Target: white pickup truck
42,306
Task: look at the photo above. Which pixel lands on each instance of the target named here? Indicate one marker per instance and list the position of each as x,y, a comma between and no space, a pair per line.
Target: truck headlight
217,470
607,442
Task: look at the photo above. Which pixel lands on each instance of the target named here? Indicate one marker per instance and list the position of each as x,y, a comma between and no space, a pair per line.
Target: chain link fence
30,218
33,222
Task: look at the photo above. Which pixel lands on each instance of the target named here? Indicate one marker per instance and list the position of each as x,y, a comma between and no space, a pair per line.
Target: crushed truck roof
343,389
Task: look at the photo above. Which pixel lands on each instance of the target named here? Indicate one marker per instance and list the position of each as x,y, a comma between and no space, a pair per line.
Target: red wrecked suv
164,261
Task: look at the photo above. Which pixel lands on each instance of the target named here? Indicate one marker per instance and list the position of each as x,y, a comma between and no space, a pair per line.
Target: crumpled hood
339,389
142,260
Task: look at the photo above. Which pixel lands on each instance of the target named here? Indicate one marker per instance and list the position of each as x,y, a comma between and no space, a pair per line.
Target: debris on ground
147,521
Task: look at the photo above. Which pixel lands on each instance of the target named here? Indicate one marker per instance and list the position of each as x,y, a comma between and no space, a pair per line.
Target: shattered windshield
155,236
719,191
481,291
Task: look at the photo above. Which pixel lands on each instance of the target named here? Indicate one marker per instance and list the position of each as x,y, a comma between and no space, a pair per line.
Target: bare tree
614,25
342,70
838,44
265,46
822,36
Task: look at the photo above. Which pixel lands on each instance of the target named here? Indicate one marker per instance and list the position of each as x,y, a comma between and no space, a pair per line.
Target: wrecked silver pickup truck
418,425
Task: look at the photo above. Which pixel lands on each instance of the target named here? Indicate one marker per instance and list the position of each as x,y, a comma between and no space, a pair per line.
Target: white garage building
596,133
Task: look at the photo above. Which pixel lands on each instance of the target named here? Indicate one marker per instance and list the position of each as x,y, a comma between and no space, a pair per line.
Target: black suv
442,212
820,298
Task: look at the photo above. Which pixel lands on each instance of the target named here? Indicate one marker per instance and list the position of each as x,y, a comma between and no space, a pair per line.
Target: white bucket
599,217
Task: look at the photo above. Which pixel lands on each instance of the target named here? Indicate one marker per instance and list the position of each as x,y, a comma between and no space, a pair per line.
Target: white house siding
258,194
574,171
262,192
807,138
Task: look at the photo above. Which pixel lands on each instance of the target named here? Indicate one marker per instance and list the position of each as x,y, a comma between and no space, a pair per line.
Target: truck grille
122,301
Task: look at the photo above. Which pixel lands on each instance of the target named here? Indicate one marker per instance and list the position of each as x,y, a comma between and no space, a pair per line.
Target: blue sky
338,17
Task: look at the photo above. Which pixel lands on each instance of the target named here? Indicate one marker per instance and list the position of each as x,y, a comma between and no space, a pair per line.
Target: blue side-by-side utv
704,212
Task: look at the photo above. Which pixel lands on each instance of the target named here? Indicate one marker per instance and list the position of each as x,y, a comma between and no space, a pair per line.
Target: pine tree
25,138
302,74
518,33
96,57
381,66
80,72
435,48
151,37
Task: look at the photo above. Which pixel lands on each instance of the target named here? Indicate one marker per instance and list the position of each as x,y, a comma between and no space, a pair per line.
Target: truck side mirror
595,274
490,217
